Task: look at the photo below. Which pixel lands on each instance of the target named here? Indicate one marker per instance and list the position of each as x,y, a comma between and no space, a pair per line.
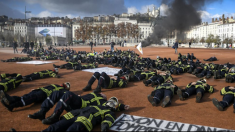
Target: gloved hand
104,127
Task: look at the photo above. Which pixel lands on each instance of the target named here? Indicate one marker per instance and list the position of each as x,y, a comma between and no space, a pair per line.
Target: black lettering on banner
170,125
192,127
142,120
179,128
132,126
142,128
155,122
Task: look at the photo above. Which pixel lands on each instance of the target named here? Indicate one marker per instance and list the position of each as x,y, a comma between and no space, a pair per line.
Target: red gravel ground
135,95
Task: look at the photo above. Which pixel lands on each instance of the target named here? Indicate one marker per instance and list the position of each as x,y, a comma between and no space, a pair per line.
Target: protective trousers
51,100
161,94
69,101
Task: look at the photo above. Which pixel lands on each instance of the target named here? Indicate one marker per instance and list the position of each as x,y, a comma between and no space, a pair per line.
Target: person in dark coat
91,44
15,47
176,47
189,44
112,46
27,46
31,45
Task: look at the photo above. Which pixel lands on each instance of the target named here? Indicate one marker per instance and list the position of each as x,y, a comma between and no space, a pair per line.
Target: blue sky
75,8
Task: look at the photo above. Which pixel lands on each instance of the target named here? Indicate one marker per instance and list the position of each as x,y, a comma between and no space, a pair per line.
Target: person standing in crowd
31,45
112,45
27,46
40,44
15,46
91,44
176,47
189,44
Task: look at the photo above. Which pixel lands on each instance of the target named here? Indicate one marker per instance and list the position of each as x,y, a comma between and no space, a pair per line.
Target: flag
139,47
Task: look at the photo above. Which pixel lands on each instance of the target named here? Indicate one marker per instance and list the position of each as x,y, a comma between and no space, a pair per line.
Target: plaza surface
135,94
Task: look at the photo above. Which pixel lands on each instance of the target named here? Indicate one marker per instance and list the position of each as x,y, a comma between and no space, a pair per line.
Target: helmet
168,72
169,80
203,80
56,70
126,77
157,57
142,68
112,102
66,85
79,61
232,70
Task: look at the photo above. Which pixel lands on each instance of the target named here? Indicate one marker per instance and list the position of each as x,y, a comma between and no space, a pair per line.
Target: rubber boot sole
217,105
179,93
165,101
150,99
198,97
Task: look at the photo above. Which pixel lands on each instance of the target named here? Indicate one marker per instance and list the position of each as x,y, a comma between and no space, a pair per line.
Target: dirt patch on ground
188,111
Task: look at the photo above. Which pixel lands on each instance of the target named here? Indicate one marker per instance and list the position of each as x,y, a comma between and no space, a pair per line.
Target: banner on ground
132,123
107,70
35,62
139,47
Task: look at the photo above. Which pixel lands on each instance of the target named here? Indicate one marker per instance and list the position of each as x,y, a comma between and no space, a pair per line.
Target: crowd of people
84,112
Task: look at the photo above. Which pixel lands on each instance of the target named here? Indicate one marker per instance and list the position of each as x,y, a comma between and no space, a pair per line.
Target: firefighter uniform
104,81
143,75
164,91
47,104
7,84
40,75
84,119
228,98
199,89
71,101
34,96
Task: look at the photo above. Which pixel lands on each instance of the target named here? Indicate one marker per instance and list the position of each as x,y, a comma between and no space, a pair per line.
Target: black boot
6,98
12,130
51,119
180,94
38,115
10,108
87,88
198,97
151,100
166,101
145,82
97,90
217,104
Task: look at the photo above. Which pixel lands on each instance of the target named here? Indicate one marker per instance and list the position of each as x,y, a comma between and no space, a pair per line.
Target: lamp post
25,22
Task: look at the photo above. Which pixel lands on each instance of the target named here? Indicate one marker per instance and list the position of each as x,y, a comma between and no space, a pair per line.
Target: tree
228,41
202,40
128,29
84,32
135,31
210,39
217,40
111,30
98,30
104,32
121,30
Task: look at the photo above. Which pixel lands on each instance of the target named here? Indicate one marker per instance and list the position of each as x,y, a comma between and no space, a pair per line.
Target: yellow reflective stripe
85,121
3,75
5,86
120,83
84,103
100,112
223,92
110,116
95,99
109,122
211,90
110,83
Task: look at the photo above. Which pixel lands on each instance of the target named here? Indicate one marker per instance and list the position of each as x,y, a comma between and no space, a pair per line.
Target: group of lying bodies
86,111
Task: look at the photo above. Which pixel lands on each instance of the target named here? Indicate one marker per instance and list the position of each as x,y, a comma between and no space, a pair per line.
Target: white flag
139,47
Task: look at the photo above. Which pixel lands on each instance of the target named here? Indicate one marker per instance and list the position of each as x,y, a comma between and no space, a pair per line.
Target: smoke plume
182,15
